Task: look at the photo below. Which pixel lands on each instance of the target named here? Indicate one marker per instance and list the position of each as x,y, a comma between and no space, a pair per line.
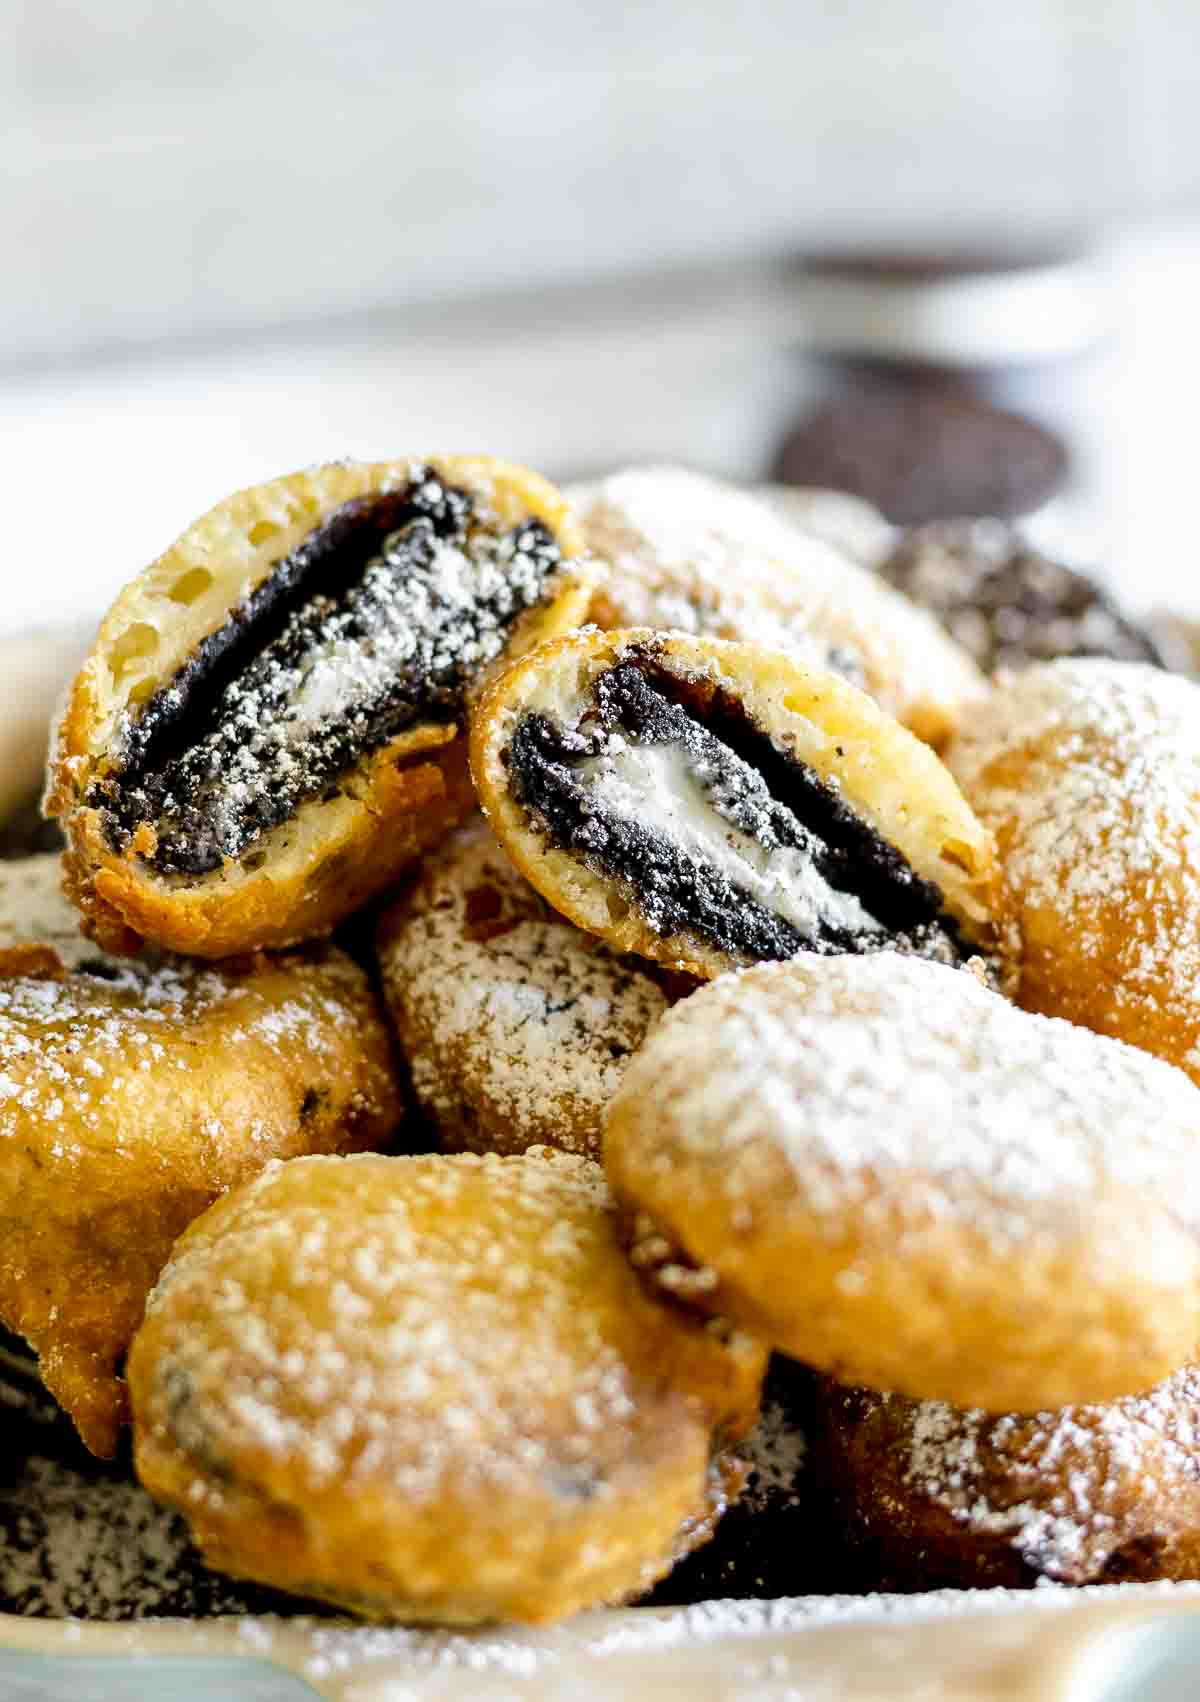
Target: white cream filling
656,786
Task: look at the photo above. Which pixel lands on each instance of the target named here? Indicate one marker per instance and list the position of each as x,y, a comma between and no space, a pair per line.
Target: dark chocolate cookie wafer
1006,603
925,452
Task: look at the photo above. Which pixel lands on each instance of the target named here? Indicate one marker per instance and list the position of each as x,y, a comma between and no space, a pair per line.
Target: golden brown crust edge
334,855
405,808
1094,1495
86,1234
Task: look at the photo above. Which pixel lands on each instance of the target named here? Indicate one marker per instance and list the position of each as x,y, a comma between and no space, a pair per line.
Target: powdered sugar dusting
410,1321
91,1548
76,1047
775,1453
895,1077
697,555
514,1023
1100,822
1065,1488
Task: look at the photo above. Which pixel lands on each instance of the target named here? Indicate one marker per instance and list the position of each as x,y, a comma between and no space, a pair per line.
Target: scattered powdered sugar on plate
80,1539
775,1453
774,1540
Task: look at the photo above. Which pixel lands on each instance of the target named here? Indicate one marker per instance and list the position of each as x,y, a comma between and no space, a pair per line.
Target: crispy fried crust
132,1094
1087,773
516,1026
899,1178
302,877
933,1497
892,779
433,1388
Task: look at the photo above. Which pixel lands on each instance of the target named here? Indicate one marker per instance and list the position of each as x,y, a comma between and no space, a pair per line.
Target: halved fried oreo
711,804
268,726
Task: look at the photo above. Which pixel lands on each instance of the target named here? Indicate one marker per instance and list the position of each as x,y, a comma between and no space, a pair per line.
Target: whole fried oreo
515,1025
1088,774
269,725
897,1177
931,1496
434,1388
133,1091
1006,603
710,804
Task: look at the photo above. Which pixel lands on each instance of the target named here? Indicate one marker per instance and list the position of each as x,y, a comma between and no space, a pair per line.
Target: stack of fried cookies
519,961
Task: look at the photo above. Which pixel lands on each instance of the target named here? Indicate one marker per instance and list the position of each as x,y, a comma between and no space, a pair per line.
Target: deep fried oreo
268,727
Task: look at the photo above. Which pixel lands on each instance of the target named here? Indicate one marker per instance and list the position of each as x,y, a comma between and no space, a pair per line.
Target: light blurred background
240,236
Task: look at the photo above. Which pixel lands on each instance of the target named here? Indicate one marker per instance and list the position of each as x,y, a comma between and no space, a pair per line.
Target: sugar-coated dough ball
1088,774
434,1388
134,1091
688,553
898,1177
516,1026
932,1496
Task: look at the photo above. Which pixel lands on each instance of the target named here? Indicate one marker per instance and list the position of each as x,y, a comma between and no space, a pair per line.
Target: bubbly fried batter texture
901,1179
709,804
932,1496
1088,773
515,1025
134,1091
312,639
433,1388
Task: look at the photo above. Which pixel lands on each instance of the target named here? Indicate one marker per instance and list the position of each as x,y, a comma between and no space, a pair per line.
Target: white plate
1126,1644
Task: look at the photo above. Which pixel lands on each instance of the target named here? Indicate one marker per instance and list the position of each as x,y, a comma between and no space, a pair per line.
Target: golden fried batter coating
710,804
433,1388
931,1496
268,727
693,554
515,1025
899,1178
132,1093
1088,773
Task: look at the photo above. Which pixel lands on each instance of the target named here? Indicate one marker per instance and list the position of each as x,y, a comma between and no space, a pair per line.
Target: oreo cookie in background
922,447
949,382
1009,605
778,1539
